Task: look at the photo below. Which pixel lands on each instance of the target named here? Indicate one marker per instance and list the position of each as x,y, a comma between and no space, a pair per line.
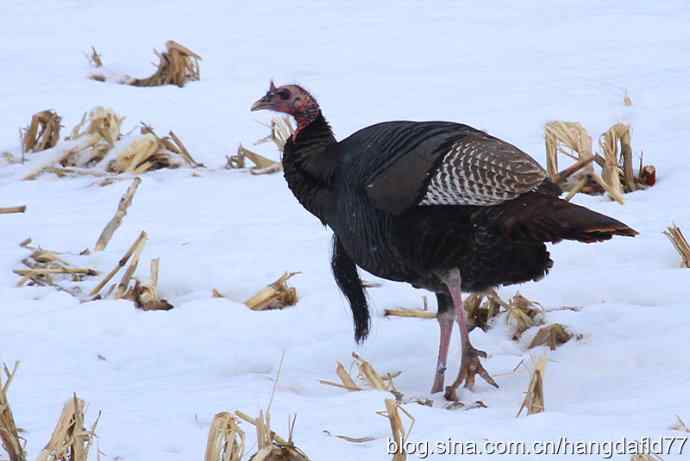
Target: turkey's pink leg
469,364
445,323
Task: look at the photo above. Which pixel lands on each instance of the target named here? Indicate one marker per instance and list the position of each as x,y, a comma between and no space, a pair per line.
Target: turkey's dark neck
309,167
307,117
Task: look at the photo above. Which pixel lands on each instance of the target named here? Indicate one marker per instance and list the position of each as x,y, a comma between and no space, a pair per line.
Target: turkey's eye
285,94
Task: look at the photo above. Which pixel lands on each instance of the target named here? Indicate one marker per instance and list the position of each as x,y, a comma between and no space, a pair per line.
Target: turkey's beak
263,104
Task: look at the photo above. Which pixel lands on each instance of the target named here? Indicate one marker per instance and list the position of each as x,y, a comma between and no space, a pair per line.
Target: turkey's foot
470,366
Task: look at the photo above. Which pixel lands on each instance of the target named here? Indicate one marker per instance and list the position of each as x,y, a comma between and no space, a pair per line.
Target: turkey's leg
470,366
446,319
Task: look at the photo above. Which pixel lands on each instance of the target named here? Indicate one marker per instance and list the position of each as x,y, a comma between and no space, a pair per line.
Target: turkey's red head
290,99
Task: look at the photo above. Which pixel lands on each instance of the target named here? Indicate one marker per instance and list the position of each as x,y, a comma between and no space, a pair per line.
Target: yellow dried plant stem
13,209
120,213
410,313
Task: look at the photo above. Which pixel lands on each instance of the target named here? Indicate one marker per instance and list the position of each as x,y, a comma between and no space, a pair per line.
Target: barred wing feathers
484,171
408,164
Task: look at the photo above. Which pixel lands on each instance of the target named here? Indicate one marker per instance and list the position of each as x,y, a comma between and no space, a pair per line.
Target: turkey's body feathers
408,201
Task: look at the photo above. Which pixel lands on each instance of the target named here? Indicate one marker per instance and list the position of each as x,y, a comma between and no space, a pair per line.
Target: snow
506,67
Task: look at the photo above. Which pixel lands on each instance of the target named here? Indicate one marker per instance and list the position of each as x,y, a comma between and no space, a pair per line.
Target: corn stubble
70,440
280,131
680,243
12,442
226,440
42,133
177,65
617,176
534,398
367,376
97,147
276,295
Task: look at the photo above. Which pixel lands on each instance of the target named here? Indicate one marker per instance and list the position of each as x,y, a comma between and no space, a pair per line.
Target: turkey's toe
470,367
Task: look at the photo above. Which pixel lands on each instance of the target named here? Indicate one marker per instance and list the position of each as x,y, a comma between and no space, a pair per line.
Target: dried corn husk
534,399
552,336
42,133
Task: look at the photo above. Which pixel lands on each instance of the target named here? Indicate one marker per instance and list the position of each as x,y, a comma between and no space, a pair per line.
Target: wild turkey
439,205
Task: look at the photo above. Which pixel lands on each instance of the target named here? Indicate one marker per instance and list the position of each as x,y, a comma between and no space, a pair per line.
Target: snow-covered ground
506,67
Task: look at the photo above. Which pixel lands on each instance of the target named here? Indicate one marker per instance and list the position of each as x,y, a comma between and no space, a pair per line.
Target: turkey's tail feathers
347,278
549,219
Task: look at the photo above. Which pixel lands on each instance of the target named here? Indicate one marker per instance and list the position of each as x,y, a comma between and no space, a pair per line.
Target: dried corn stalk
345,378
262,165
90,143
171,144
177,65
481,308
9,433
399,435
136,247
71,440
103,126
116,221
413,313
281,131
42,133
571,139
276,295
568,138
122,290
98,136
565,174
145,295
675,235
225,439
551,335
367,374
367,371
47,268
522,313
13,209
150,152
136,157
63,158
57,270
534,399
618,135
272,447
